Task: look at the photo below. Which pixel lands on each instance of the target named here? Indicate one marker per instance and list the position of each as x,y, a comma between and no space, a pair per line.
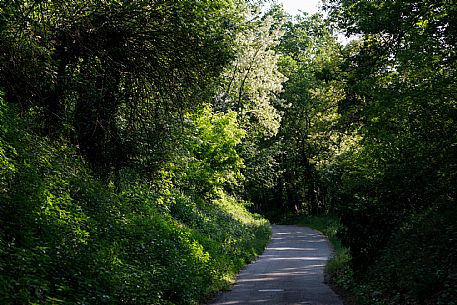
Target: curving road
290,271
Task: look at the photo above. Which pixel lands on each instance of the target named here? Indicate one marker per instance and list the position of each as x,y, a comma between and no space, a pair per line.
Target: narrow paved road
290,271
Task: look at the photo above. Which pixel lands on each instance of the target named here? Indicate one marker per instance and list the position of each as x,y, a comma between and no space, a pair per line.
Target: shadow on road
291,271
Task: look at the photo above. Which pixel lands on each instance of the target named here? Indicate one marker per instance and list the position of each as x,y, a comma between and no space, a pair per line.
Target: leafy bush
420,262
68,238
211,160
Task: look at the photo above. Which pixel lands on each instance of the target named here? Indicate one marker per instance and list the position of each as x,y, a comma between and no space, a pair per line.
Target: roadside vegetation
120,181
140,141
68,238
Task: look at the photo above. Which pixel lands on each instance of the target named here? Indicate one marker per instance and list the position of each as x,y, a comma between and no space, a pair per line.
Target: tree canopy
136,135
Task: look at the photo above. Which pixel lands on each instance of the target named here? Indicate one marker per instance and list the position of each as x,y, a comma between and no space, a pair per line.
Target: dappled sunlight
265,301
275,276
289,272
291,249
303,258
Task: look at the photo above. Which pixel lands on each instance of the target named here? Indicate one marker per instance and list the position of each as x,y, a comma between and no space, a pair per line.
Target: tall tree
105,70
400,90
309,59
251,87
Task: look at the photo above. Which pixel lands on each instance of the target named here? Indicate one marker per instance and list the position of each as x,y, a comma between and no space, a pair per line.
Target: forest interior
145,143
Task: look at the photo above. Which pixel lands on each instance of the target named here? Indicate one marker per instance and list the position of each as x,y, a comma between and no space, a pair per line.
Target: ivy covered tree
116,177
114,73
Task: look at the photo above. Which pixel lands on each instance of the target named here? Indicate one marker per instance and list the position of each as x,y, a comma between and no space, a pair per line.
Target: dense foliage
397,187
68,238
134,136
118,179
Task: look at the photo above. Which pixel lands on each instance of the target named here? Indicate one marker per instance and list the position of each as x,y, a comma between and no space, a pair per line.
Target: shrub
68,238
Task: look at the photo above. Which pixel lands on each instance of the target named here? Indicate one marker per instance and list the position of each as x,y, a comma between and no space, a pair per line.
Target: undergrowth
419,264
68,238
418,267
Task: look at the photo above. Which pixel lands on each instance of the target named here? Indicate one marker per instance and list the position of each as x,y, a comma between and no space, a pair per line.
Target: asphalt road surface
290,271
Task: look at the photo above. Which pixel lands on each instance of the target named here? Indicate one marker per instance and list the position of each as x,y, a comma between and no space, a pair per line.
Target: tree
108,73
400,91
210,161
251,87
309,59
